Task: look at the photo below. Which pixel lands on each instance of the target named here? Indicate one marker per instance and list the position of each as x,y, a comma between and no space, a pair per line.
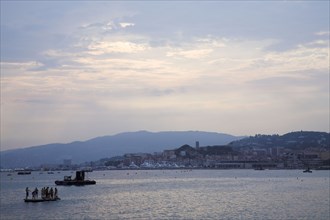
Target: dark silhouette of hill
299,140
109,146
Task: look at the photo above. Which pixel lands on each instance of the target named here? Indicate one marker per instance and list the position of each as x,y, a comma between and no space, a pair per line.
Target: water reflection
197,194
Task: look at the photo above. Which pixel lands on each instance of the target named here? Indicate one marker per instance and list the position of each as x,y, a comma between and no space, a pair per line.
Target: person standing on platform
51,193
27,192
55,193
36,191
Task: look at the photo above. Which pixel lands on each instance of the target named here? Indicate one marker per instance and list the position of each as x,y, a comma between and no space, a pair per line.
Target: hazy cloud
323,33
73,71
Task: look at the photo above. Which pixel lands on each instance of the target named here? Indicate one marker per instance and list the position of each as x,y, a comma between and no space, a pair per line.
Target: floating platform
75,182
42,200
79,180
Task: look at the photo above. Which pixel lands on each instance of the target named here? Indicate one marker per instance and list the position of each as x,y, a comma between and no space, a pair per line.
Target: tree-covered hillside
294,140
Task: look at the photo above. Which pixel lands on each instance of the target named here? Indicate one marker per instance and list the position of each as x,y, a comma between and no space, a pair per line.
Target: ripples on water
174,194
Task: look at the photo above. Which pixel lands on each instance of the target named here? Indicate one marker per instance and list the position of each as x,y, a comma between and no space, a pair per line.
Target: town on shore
297,150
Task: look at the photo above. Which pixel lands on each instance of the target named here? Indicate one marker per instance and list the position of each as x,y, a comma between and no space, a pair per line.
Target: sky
74,70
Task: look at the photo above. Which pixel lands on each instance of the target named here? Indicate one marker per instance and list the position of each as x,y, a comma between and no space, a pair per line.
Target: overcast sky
80,69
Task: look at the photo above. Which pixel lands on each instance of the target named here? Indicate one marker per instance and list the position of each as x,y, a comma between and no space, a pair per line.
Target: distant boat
307,170
42,200
259,168
79,180
323,168
23,172
50,172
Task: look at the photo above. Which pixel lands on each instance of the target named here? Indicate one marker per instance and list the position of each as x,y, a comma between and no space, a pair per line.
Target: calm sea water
174,194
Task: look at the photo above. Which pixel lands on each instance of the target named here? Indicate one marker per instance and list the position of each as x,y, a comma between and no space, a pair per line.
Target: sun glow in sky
80,69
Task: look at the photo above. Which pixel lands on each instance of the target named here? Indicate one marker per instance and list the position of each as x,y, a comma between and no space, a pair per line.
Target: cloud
319,43
230,58
191,54
126,24
198,48
308,82
16,69
103,47
106,26
323,33
141,66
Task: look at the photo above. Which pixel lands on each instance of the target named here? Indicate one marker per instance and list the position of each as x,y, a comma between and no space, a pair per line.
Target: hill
109,146
299,140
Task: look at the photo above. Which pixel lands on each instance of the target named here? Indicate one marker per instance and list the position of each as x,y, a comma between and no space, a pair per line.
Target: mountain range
109,146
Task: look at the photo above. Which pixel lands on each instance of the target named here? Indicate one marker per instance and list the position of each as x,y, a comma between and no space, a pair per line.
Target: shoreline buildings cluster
224,157
296,150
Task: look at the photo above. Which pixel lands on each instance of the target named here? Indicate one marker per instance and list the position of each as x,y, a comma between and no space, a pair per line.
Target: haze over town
80,69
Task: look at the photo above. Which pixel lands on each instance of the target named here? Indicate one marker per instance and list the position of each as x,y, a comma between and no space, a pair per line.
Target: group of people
46,193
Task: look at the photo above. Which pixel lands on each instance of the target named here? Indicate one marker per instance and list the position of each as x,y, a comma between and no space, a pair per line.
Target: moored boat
79,180
259,168
307,170
323,168
23,172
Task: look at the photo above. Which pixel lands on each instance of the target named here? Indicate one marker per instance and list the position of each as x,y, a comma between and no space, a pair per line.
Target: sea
173,194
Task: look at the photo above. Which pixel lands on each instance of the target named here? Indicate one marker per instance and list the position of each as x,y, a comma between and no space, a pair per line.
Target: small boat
307,170
259,168
42,199
323,168
78,181
23,172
